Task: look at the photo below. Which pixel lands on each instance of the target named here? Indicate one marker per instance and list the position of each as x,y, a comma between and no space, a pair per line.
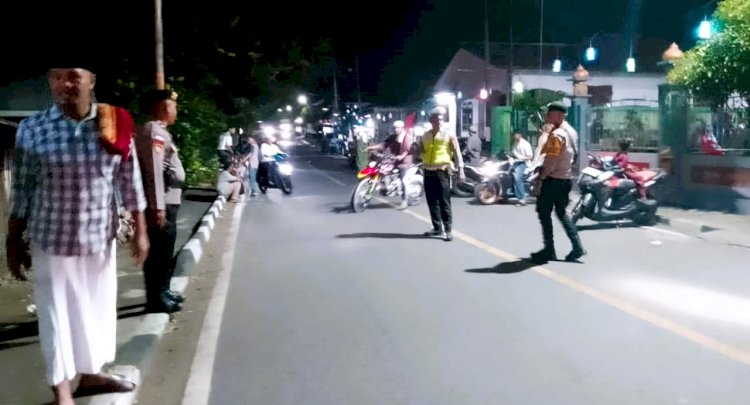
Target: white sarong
76,299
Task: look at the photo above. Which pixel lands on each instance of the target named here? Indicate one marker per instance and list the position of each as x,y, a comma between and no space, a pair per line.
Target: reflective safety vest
437,150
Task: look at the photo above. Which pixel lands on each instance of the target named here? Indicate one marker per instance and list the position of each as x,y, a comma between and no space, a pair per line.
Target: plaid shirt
64,184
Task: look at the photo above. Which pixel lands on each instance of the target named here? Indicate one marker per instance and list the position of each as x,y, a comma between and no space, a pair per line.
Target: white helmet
398,124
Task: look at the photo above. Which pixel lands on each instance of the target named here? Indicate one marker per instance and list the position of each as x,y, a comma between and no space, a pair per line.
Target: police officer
163,179
559,151
439,150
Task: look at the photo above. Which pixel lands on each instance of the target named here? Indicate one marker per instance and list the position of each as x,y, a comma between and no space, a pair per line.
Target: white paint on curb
198,389
179,284
210,222
156,324
195,249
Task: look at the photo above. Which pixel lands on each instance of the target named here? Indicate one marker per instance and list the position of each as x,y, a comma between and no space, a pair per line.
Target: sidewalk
22,374
711,226
728,229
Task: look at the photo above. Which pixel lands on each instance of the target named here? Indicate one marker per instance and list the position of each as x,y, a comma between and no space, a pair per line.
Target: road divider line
326,175
694,336
198,389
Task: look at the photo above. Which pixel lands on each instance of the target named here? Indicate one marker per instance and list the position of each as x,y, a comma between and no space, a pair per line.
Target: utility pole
509,99
486,44
335,88
159,46
541,35
359,92
483,101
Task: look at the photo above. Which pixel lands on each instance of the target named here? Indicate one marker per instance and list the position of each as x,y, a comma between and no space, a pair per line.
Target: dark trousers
225,157
437,190
555,196
159,266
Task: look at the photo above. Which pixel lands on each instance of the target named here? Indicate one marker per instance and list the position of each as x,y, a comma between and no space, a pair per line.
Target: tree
718,67
227,72
531,103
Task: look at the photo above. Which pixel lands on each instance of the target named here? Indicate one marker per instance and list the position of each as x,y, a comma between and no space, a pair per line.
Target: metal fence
726,126
637,120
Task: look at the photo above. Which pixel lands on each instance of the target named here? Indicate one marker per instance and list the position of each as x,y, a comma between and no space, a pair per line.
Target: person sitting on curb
229,184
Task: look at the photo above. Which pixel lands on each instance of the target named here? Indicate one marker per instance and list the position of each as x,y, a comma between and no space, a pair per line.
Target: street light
289,108
302,99
705,29
630,65
483,94
591,52
557,66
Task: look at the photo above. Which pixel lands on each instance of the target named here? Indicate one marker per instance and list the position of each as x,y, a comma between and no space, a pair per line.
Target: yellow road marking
643,314
694,336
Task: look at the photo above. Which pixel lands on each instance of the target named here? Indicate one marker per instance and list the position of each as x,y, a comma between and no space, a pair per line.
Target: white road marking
666,231
198,390
324,174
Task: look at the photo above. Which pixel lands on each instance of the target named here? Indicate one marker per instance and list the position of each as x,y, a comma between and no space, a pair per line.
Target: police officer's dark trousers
555,196
159,266
437,190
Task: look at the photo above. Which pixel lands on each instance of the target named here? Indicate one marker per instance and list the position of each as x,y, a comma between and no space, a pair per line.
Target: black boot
544,256
578,250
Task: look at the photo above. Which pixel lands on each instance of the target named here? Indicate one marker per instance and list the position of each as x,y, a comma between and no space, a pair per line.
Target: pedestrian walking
72,163
559,151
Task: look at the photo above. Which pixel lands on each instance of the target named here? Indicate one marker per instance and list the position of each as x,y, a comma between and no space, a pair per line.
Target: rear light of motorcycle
366,172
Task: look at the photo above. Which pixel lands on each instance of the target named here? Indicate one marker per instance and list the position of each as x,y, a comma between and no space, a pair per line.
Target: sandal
110,384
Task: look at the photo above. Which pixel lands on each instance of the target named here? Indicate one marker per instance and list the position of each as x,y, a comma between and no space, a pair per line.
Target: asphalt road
329,307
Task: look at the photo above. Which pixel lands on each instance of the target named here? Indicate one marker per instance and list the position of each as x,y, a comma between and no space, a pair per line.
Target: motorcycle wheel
416,186
487,193
286,185
645,218
361,196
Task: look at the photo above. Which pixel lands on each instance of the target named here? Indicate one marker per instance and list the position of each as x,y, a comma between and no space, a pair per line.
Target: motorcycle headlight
286,169
489,169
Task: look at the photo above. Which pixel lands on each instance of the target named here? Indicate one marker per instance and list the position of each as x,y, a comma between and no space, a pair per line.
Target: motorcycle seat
622,184
643,175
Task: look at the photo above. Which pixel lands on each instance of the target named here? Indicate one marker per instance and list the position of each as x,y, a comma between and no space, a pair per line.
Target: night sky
402,45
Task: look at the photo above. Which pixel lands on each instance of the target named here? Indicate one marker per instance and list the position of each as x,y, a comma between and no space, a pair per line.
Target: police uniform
438,152
559,152
163,180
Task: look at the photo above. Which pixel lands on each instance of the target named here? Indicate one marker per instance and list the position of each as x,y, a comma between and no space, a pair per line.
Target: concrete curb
686,226
144,333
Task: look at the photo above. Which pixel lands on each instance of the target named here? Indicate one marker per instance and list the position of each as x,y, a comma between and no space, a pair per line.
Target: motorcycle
497,181
382,176
278,175
472,172
605,196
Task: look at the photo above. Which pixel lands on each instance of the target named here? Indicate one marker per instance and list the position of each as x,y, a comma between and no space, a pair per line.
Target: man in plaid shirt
69,160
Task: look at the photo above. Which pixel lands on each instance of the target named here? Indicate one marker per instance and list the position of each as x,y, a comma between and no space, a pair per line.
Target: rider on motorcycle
398,145
622,159
523,154
268,152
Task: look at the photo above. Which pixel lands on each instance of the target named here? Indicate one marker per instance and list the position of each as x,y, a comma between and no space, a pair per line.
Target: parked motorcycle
278,175
497,181
382,176
606,197
472,166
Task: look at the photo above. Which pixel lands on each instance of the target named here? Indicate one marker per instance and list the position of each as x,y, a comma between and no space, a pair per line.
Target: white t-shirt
522,150
268,151
225,141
